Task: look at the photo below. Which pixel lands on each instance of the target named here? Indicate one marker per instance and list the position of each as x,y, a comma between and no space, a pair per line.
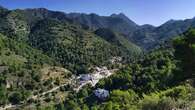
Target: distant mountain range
145,36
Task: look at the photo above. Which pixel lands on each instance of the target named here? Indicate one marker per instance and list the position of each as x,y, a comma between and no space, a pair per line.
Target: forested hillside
161,80
19,67
73,46
145,36
76,48
51,60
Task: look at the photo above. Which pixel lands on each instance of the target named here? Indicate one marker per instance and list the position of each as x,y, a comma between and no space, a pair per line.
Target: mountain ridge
62,39
146,36
113,14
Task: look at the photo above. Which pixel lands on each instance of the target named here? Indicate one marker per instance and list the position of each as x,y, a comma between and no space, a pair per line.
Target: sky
154,12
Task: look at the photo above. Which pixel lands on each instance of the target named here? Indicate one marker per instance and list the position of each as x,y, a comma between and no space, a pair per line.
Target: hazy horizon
142,12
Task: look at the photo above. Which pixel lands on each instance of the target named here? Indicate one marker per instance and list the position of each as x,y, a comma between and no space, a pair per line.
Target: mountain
64,40
150,37
41,49
116,31
117,22
73,46
146,36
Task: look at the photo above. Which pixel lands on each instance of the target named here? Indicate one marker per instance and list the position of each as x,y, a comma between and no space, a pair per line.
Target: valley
52,60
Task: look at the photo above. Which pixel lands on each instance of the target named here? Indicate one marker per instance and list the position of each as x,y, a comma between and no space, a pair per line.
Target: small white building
101,93
85,77
116,60
97,69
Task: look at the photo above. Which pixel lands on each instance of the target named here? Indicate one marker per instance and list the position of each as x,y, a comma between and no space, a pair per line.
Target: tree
123,98
108,106
190,36
60,106
71,105
15,98
85,107
184,52
3,97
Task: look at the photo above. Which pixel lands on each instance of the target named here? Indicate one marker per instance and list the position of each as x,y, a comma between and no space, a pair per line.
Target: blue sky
153,12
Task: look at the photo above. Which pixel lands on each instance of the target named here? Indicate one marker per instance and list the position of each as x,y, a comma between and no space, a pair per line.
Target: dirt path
96,76
35,96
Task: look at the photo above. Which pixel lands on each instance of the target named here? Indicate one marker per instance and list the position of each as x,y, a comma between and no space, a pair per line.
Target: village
94,77
78,82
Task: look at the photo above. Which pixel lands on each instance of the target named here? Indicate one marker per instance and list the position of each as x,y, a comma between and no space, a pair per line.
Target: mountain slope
62,39
73,46
146,36
119,40
20,74
39,43
162,80
117,22
153,36
19,23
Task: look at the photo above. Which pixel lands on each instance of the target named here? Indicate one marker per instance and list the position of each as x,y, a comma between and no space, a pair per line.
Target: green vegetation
156,82
125,47
32,41
151,73
73,47
69,43
185,47
36,45
19,68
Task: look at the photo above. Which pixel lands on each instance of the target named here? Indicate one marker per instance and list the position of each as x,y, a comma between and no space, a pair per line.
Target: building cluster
93,78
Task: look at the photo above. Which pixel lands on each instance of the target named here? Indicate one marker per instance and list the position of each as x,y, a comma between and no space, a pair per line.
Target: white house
101,93
85,77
